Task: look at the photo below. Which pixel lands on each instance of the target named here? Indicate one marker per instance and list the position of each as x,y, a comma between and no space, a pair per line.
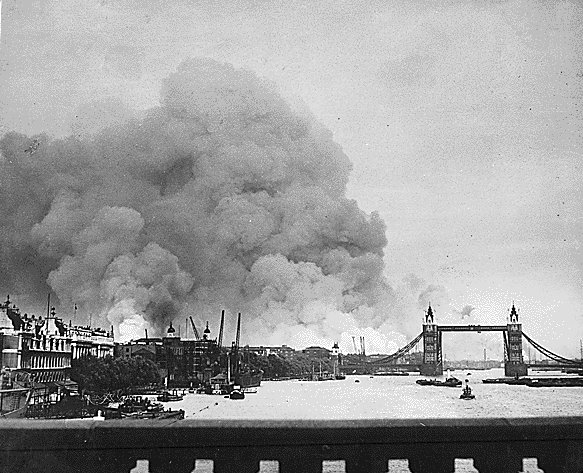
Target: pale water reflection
387,397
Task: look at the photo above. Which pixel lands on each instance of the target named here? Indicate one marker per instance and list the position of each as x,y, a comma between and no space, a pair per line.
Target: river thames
387,397
365,397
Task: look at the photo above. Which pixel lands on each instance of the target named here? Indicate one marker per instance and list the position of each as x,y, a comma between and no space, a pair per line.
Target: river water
386,397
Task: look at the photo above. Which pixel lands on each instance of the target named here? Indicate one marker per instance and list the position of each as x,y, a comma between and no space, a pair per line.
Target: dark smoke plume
220,197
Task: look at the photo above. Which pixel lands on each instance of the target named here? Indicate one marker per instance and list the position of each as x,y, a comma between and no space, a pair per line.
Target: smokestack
146,330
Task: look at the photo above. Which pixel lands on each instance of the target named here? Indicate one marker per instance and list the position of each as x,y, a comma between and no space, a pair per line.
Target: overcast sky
462,119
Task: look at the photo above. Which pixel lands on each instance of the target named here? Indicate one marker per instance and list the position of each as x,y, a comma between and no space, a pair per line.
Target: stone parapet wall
496,445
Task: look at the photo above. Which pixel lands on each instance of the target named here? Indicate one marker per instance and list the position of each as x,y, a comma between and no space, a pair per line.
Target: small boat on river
139,404
236,394
451,382
159,415
391,373
137,407
168,396
467,392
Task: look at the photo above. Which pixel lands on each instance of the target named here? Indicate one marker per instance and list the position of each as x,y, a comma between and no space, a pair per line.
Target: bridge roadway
472,328
370,367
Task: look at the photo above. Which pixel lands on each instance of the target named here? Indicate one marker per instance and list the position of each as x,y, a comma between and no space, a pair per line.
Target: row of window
50,344
95,350
49,361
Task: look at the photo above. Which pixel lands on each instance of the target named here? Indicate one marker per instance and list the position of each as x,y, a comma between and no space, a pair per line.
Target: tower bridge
431,363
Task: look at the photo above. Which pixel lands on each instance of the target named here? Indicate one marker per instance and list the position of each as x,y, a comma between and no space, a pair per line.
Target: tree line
109,374
275,366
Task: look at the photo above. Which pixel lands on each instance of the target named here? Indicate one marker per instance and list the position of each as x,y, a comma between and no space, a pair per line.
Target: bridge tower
514,364
432,355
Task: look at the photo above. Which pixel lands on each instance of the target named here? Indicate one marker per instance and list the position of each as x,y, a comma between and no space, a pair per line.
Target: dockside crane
238,331
234,358
196,335
220,341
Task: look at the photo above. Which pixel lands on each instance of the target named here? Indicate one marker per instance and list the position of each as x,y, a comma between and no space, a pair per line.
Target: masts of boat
229,370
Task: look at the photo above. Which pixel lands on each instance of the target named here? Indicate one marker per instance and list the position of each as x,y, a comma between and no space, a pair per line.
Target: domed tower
171,332
207,332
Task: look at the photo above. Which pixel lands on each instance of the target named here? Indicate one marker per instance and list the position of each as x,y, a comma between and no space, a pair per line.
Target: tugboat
391,373
139,404
467,392
450,381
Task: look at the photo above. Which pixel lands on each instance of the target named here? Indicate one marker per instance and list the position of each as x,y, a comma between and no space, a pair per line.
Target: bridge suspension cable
400,352
549,354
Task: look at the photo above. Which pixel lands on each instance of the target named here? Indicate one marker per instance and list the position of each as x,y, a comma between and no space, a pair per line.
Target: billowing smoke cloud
220,197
